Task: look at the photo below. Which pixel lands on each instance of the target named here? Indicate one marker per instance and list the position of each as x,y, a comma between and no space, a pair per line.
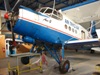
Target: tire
25,60
64,67
92,52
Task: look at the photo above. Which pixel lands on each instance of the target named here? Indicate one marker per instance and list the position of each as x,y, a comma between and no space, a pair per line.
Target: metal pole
0,21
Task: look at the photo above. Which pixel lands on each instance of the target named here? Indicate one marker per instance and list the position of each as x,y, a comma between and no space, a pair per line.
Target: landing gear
92,52
25,60
64,66
76,50
14,72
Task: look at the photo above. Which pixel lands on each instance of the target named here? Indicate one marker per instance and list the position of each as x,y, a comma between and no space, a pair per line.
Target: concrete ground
82,62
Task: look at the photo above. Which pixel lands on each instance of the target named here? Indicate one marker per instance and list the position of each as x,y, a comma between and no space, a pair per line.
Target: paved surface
82,62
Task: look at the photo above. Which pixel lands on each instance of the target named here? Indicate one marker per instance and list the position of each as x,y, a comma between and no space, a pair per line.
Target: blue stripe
80,4
38,32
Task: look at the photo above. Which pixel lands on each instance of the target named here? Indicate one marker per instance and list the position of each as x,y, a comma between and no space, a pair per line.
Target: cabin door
82,34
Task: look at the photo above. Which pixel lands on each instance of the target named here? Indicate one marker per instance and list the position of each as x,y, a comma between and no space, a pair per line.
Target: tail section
93,29
98,32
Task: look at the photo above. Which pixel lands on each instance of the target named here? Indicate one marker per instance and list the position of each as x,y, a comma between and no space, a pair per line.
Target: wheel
16,72
96,73
13,72
92,52
41,71
25,60
76,50
9,73
64,66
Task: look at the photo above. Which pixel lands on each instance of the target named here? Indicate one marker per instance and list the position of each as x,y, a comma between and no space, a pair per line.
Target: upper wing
83,12
86,44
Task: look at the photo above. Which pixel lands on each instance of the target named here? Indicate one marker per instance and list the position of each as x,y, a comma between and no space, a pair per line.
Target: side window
48,12
72,29
69,28
65,26
76,31
42,10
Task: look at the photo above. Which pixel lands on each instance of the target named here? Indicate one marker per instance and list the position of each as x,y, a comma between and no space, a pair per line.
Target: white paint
96,48
84,13
98,32
58,25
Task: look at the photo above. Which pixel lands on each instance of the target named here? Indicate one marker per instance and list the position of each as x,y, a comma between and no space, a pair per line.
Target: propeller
10,15
18,3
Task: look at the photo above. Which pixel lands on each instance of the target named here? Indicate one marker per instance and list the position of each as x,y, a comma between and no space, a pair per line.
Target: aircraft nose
6,16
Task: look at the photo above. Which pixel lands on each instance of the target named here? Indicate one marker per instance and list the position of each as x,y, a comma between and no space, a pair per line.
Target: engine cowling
28,39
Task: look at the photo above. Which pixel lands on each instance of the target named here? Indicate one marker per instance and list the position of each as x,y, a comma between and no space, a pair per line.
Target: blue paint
50,52
62,51
67,66
93,29
77,5
56,55
8,25
28,39
32,49
38,32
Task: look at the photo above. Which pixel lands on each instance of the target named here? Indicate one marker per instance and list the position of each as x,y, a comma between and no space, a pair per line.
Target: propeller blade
7,6
15,8
13,36
8,9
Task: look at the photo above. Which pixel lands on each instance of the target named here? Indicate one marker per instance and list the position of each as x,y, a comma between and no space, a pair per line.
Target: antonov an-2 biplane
48,25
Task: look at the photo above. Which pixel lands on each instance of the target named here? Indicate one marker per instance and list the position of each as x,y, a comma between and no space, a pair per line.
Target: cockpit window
42,10
53,13
57,15
49,11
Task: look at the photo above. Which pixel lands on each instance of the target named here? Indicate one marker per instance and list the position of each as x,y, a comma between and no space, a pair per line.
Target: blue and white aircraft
49,26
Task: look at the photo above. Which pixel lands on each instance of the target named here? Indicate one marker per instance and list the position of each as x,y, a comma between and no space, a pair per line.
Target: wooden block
98,68
4,71
2,46
96,73
24,48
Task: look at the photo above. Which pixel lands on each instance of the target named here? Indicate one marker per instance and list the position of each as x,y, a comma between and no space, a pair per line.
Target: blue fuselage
37,31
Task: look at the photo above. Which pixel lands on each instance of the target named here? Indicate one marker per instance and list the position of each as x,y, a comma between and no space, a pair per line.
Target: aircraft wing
85,44
83,12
